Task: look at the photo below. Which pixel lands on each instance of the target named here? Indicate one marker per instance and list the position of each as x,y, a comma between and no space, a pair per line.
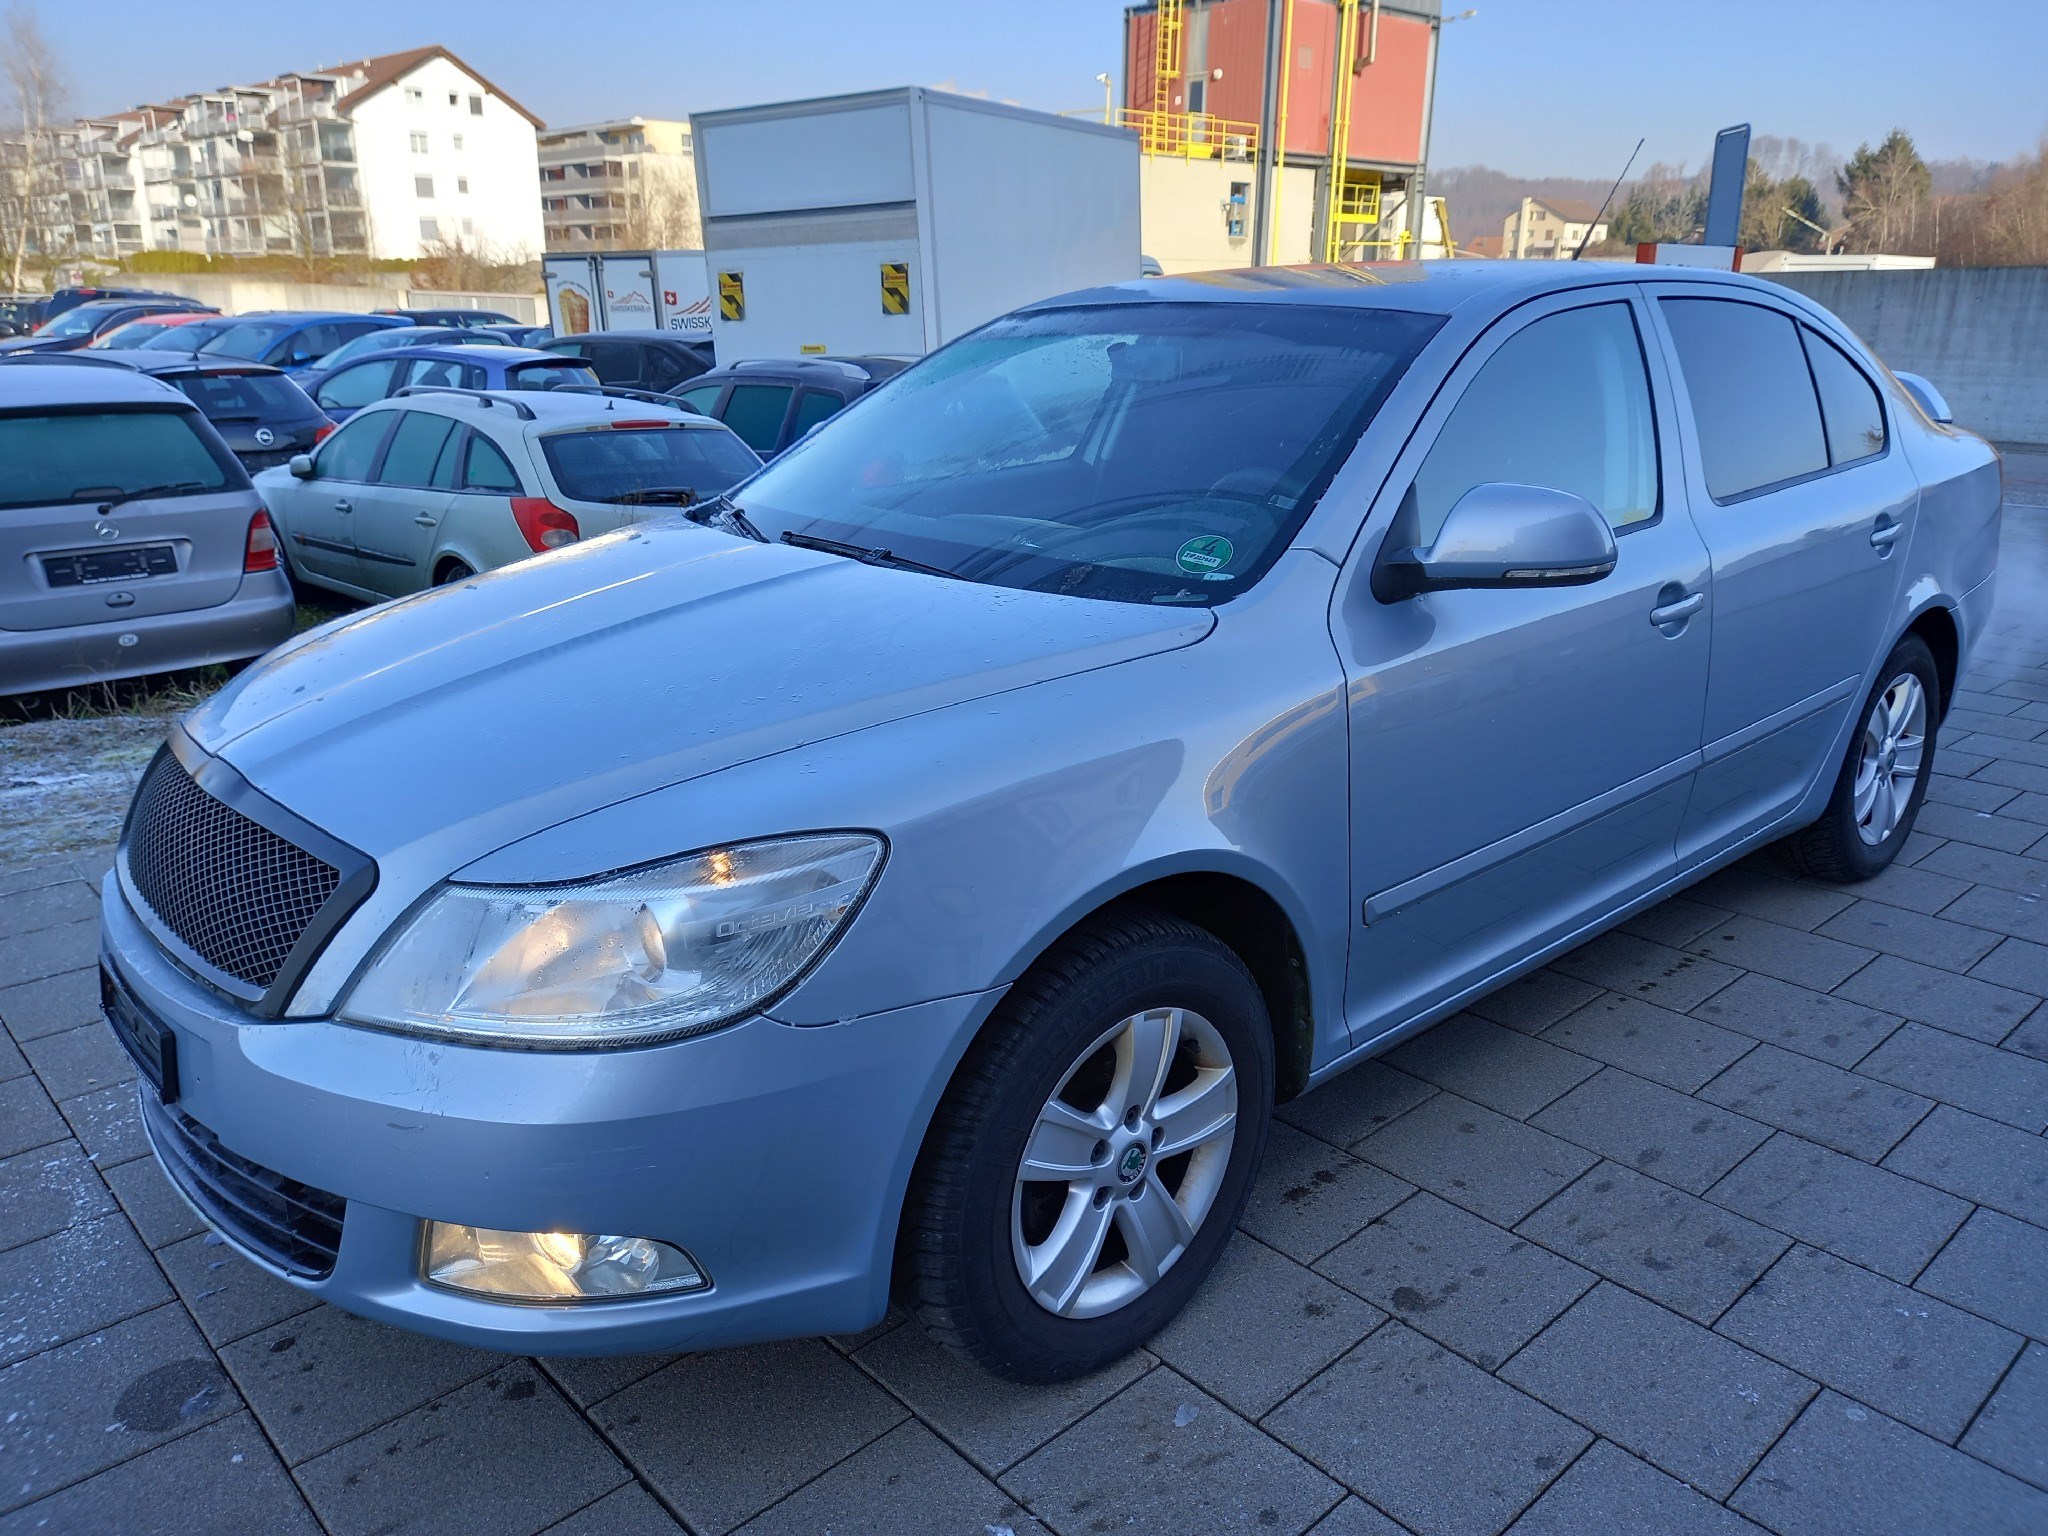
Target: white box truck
890,222
628,291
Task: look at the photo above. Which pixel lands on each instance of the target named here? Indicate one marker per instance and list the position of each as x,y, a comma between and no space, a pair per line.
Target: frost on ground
64,784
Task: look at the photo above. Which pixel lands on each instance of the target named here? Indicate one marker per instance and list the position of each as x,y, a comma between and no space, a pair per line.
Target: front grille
232,891
293,1225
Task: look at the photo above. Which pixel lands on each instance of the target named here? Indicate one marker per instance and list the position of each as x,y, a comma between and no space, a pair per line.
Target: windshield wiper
682,495
116,498
722,512
867,556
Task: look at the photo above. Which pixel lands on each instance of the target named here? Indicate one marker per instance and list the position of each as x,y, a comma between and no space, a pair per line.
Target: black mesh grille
293,1225
233,892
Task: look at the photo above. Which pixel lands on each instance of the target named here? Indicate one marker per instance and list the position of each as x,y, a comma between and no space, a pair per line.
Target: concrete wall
1180,213
1980,333
240,295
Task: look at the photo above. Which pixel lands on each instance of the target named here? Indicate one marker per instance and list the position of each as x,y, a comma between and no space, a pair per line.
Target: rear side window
357,385
415,449
487,469
245,396
1752,397
613,361
602,464
812,407
441,373
755,411
91,455
1564,404
349,454
701,400
1848,402
548,375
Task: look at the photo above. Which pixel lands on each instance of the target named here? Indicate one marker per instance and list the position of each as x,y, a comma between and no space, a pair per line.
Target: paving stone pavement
1735,1218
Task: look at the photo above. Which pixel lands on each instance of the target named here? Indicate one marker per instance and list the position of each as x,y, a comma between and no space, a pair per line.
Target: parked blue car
932,871
343,391
294,340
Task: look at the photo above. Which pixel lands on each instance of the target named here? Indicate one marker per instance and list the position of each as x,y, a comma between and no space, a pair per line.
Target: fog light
556,1266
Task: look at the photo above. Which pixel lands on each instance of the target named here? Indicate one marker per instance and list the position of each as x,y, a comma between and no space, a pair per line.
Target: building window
468,228
414,93
423,185
451,98
462,185
458,143
430,229
419,143
476,106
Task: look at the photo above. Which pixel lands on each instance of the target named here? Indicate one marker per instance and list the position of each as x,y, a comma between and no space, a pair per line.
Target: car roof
547,407
1422,287
441,351
842,370
174,362
649,338
80,384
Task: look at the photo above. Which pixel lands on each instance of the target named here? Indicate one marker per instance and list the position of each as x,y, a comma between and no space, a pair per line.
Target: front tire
1883,780
1093,1152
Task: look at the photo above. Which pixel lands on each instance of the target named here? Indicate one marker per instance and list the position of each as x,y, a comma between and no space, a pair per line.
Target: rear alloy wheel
1884,776
1093,1153
450,572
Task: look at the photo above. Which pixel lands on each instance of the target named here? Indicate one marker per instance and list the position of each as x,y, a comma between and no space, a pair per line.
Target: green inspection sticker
1210,552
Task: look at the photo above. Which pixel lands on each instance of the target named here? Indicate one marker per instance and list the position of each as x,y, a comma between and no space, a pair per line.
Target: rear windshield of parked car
94,455
246,396
245,341
1142,453
539,375
603,464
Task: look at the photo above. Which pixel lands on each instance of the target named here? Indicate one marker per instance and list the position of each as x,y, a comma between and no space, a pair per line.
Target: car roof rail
483,397
622,392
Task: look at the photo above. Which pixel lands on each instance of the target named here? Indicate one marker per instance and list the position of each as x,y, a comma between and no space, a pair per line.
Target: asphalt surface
1734,1218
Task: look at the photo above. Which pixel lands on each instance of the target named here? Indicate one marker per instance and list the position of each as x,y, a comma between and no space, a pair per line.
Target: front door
1520,758
1803,503
317,516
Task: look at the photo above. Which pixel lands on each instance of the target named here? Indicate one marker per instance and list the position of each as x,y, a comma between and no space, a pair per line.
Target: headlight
656,954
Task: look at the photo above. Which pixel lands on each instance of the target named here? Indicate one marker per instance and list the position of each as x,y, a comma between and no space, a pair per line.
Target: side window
1564,404
349,330
436,371
614,362
755,411
415,448
486,468
701,400
350,452
1752,396
448,462
1849,405
356,386
315,341
812,407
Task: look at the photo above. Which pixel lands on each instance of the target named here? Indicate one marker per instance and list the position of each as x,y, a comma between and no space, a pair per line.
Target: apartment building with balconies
626,184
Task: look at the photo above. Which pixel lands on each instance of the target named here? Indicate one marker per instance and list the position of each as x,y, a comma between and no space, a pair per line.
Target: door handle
1678,612
344,506
1885,534
424,521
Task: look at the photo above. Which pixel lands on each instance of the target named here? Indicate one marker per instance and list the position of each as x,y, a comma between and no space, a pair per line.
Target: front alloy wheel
1093,1151
1124,1163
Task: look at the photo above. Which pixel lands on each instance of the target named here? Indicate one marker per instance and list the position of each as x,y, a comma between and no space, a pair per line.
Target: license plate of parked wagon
110,565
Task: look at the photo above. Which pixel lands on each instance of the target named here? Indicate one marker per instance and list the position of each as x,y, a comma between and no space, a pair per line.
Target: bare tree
33,208
662,214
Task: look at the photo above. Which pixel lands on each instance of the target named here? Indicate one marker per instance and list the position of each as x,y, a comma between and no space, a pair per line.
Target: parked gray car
130,538
933,874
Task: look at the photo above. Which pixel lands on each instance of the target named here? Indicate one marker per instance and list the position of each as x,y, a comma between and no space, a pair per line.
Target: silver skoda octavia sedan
925,867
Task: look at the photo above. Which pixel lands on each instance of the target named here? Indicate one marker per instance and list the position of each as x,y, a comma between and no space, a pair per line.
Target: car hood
463,718
43,343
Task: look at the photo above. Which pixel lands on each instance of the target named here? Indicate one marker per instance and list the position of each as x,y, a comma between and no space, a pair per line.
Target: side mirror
301,466
1505,535
1927,397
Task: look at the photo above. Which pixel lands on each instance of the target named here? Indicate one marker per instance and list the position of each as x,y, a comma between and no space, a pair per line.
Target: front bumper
777,1155
260,615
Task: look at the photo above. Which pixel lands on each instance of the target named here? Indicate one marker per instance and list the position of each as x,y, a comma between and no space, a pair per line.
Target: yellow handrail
1189,135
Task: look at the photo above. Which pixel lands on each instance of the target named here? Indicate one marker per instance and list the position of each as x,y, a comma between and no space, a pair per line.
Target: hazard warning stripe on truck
732,296
895,287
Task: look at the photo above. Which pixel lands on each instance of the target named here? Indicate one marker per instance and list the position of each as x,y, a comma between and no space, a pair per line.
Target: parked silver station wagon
931,873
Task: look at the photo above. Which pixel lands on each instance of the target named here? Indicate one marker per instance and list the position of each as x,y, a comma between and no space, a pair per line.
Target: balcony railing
1190,135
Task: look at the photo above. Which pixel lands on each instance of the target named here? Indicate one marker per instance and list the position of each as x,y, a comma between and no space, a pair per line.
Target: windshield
1142,453
674,466
74,322
245,341
125,338
246,396
553,375
188,337
102,455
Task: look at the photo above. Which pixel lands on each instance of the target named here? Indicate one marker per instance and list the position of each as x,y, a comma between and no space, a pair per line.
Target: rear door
73,551
317,516
398,515
1802,501
758,411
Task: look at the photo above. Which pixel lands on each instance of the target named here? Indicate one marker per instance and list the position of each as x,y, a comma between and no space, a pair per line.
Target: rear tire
1883,779
448,572
1134,1063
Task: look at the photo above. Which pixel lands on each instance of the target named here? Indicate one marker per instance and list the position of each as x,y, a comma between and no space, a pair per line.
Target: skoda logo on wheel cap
1131,1166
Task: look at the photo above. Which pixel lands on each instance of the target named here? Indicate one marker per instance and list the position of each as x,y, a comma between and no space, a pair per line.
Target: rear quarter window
85,455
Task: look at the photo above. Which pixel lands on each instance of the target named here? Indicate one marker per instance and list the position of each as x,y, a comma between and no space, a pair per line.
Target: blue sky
1536,87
